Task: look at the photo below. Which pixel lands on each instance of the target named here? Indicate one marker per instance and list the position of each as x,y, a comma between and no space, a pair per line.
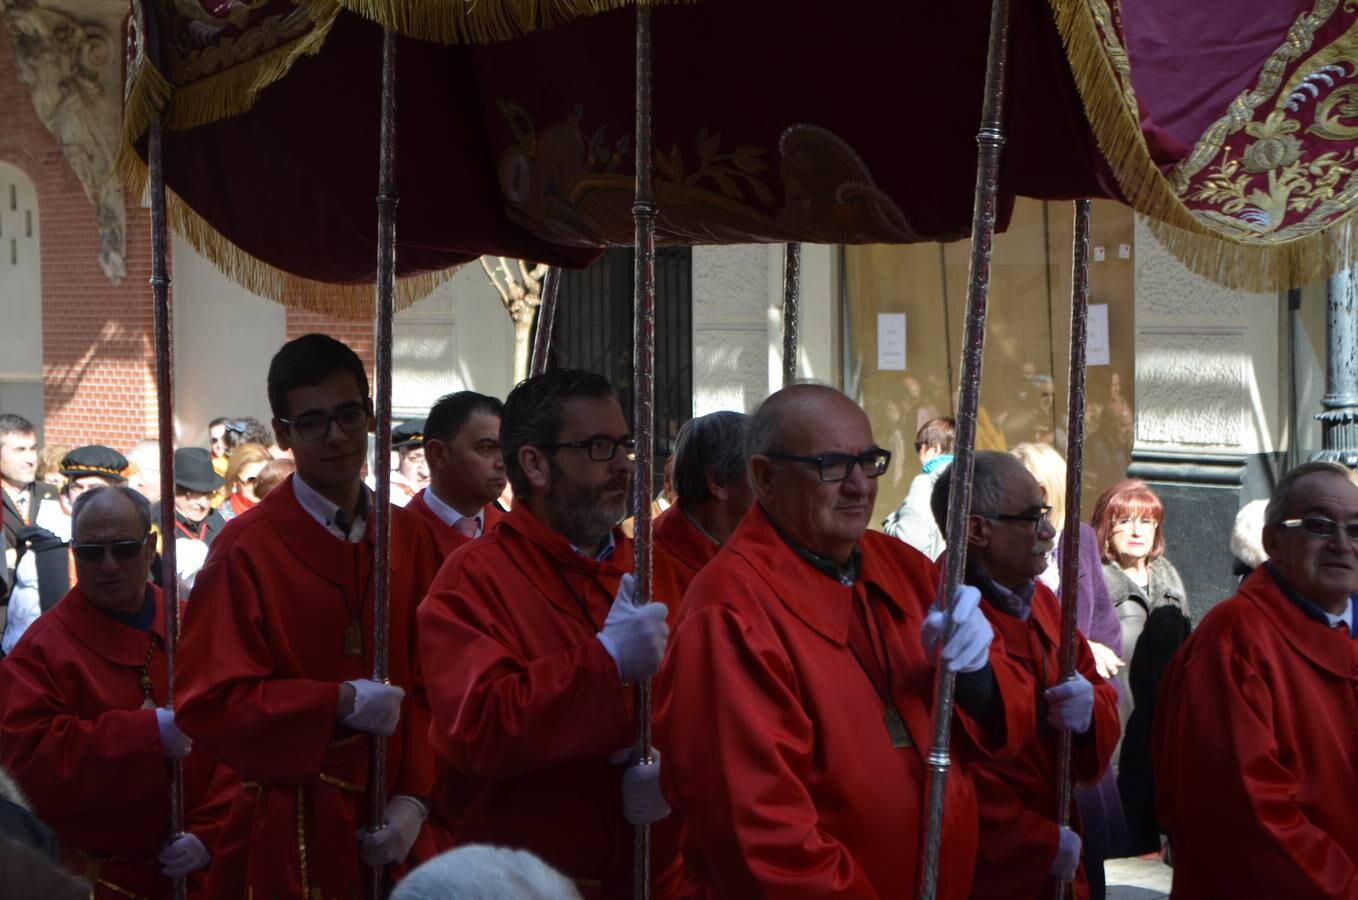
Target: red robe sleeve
1233,790
755,819
418,765
497,714
229,697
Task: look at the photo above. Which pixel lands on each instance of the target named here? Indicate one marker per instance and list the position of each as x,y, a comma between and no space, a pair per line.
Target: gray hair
483,872
763,431
1247,537
1281,499
141,503
988,476
712,443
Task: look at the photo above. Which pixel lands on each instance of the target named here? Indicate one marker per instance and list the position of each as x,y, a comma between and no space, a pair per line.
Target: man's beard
580,513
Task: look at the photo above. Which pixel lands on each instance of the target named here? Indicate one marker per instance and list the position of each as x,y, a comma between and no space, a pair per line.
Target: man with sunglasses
273,674
1009,535
793,709
84,726
466,469
532,642
1256,720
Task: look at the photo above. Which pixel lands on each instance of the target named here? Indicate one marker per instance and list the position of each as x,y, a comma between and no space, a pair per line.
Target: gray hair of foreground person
711,443
141,503
990,470
483,872
1280,501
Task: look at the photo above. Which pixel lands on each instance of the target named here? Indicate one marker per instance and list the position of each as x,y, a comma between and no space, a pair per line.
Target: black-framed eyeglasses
1319,526
600,447
312,426
1042,517
836,467
122,550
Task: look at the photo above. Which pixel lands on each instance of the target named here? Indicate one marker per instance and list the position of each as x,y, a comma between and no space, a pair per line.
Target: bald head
105,523
787,415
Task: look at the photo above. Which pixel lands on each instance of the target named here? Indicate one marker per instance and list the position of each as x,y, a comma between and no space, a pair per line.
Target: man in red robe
1009,537
466,469
794,704
274,669
1256,722
713,495
531,641
84,730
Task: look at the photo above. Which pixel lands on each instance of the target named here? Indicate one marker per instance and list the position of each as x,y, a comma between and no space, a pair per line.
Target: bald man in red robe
466,469
84,730
274,669
532,641
1256,721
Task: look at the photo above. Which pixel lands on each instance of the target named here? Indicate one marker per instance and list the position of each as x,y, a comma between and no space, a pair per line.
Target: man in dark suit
23,494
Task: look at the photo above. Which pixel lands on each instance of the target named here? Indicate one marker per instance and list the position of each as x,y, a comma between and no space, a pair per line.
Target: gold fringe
1226,260
478,21
148,93
341,301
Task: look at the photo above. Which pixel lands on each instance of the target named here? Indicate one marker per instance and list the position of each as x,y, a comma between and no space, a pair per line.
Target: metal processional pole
792,309
643,407
1070,539
381,520
990,140
163,316
542,343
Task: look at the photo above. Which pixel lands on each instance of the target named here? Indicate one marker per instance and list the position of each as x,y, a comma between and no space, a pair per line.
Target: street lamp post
1339,416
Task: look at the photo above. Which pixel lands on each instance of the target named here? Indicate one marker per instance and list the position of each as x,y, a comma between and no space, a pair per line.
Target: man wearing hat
43,574
195,481
411,474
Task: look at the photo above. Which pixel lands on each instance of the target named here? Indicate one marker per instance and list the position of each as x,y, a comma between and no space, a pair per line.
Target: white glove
174,743
634,635
1068,848
968,649
377,706
1070,705
389,844
183,855
642,802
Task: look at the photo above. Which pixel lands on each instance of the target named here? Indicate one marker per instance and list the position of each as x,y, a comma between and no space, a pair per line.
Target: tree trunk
523,343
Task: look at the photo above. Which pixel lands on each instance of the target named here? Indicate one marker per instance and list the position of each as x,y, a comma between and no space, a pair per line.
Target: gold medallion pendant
353,639
895,727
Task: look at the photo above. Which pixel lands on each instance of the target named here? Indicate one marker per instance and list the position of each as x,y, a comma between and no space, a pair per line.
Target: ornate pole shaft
1339,418
163,318
542,344
990,140
792,309
381,519
1070,538
643,406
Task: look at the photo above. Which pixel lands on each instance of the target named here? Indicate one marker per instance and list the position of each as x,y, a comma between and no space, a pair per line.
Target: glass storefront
902,331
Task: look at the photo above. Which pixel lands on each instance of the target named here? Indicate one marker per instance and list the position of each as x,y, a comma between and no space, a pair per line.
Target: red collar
104,636
679,537
1324,646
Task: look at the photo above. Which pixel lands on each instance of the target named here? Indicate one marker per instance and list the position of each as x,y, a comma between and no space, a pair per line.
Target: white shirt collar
1345,618
450,516
603,553
323,511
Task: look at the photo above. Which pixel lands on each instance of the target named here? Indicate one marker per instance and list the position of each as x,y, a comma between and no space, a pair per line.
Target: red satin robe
1254,744
75,737
259,670
680,550
777,757
448,538
1019,833
527,704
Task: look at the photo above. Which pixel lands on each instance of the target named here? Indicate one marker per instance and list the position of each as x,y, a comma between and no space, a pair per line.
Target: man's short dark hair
712,443
940,434
990,471
12,424
309,360
451,411
245,430
220,420
532,415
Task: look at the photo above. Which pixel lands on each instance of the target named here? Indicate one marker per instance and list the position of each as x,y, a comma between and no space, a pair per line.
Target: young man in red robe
532,641
466,469
1009,537
274,670
84,730
1256,721
713,495
793,709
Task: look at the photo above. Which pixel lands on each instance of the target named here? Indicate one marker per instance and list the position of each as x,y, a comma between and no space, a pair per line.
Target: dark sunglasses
94,553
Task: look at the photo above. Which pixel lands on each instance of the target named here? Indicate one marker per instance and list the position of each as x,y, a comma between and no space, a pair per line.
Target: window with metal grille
594,331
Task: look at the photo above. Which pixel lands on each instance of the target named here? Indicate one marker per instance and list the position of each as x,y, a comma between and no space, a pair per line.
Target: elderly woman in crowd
242,470
1105,833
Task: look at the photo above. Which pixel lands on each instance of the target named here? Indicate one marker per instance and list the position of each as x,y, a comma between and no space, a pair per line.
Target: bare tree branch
504,295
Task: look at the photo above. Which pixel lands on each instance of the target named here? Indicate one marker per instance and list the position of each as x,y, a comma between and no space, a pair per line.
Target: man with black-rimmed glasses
1256,720
531,641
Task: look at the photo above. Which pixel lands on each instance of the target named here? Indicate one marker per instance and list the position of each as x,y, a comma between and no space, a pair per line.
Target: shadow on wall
120,354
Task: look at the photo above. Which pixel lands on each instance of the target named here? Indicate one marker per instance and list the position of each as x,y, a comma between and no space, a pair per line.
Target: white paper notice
1096,345
891,342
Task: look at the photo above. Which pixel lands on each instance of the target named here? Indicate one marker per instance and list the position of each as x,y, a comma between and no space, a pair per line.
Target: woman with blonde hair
241,471
49,465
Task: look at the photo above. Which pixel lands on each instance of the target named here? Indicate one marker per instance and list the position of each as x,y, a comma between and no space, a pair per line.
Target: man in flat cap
411,474
45,569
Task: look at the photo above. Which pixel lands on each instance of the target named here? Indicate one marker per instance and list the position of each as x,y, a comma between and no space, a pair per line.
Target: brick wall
358,334
98,372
